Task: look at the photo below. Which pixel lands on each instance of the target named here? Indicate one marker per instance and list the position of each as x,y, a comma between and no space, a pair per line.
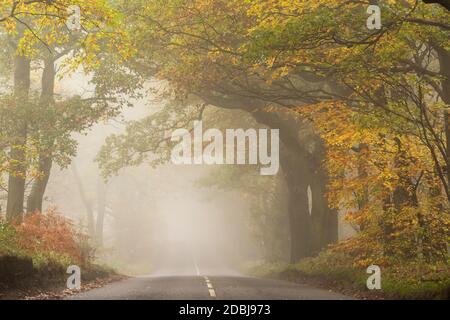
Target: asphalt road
187,275
206,287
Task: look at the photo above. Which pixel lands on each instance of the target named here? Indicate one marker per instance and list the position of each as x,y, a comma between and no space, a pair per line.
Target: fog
210,150
158,220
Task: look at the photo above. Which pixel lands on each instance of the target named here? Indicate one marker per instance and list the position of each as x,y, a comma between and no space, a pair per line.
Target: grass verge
335,271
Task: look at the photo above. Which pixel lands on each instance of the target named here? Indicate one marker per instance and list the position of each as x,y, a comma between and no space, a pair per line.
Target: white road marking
212,293
211,290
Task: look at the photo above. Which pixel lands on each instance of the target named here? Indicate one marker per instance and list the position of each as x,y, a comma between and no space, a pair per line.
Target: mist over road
190,275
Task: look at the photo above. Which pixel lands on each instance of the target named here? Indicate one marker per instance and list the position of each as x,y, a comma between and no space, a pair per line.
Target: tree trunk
324,219
444,61
86,202
101,208
444,64
36,197
309,233
299,221
16,181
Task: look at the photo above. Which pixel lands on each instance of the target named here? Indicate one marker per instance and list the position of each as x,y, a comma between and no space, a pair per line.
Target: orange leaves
49,233
384,182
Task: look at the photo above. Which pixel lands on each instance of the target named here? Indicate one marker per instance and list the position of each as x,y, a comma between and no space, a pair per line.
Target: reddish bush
50,232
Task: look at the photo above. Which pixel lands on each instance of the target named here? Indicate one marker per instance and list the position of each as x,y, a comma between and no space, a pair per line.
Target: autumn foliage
386,184
49,238
379,99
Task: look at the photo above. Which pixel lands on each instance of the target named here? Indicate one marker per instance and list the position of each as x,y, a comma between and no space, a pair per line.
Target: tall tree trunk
309,233
101,208
323,217
86,202
36,196
444,63
299,221
17,177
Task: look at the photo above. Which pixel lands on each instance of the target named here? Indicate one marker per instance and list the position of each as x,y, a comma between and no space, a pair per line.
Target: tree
263,55
205,48
45,36
14,9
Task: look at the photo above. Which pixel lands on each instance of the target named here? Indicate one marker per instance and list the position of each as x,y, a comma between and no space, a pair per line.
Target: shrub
8,240
51,238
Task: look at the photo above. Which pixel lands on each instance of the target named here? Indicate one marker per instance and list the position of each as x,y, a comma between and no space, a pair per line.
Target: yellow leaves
41,25
365,183
208,43
26,46
10,26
